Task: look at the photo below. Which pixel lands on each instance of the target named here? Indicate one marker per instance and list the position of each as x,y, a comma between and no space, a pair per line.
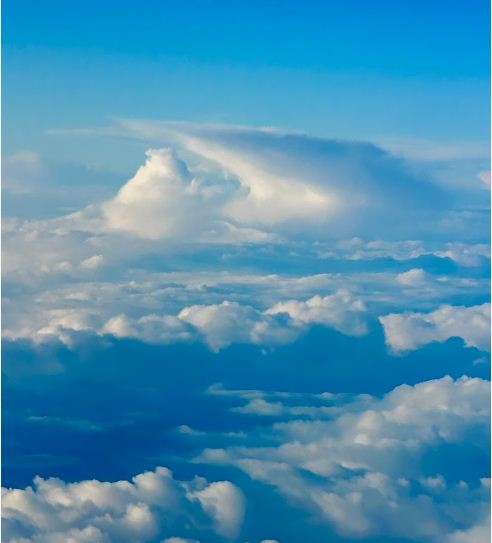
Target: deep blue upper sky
415,38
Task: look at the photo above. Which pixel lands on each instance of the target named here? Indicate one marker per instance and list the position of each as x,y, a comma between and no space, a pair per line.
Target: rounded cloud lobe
137,510
408,331
165,201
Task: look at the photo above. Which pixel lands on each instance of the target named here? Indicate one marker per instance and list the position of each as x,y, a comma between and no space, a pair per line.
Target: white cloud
230,322
340,311
165,201
358,465
466,254
413,277
480,533
356,248
92,262
318,184
219,325
149,328
136,510
223,502
179,540
408,331
485,178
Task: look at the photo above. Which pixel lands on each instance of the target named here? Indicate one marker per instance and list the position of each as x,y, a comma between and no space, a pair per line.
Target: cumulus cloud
411,278
149,505
164,200
358,466
294,177
242,184
339,311
410,330
224,503
219,325
480,533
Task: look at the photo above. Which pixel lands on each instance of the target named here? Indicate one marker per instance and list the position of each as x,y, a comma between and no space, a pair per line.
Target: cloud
219,325
356,248
149,505
164,200
224,503
358,464
92,262
484,177
466,254
413,277
339,311
480,533
407,331
179,540
237,184
291,177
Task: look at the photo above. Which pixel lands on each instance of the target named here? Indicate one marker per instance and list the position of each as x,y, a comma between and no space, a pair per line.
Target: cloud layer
233,263
153,503
361,466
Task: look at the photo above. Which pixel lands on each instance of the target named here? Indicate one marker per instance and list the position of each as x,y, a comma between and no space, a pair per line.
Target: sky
245,276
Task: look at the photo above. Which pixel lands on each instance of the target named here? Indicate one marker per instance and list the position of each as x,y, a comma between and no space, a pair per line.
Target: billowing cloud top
272,181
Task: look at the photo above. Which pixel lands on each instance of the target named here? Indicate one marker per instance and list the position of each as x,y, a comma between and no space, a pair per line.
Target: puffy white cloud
248,184
409,330
230,322
316,184
225,504
480,533
358,465
219,325
413,277
165,201
149,328
340,311
92,262
466,254
137,510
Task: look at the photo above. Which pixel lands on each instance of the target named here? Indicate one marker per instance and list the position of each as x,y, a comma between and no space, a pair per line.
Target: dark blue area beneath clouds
114,408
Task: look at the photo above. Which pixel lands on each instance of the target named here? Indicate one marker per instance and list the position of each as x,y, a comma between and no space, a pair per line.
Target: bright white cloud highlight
164,200
409,330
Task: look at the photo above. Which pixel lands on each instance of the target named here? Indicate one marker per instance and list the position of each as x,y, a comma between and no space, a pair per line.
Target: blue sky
246,261
353,69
